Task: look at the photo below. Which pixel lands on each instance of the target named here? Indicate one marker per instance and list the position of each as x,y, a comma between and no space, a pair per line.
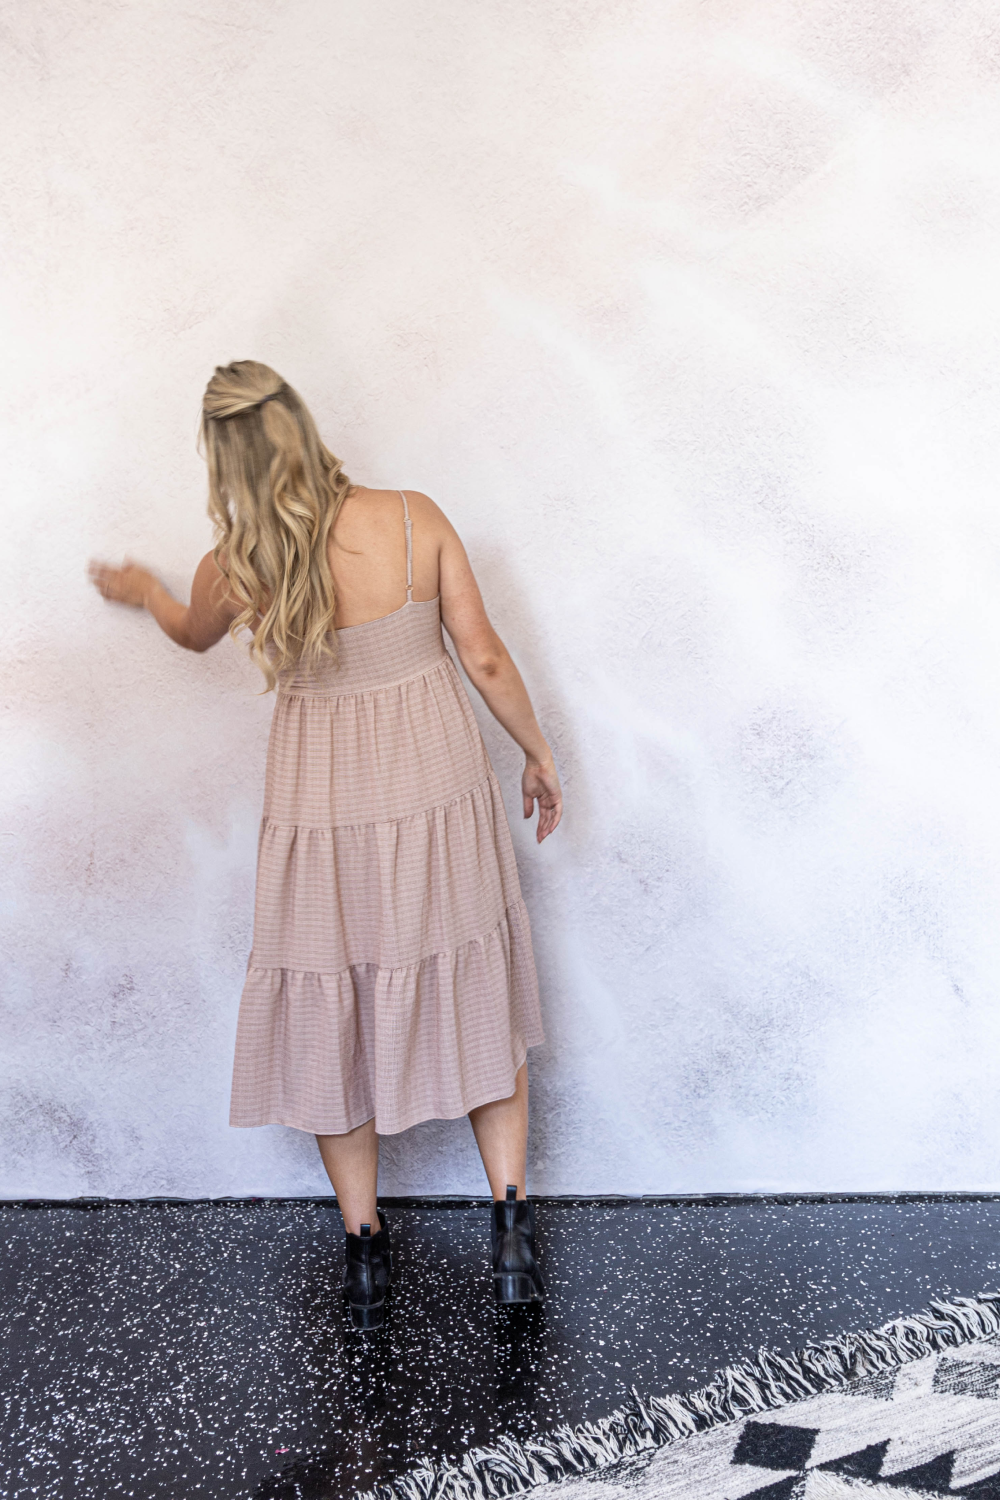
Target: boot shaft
516,1277
513,1229
368,1268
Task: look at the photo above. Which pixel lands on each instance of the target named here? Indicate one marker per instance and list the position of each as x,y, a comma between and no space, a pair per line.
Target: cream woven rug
908,1410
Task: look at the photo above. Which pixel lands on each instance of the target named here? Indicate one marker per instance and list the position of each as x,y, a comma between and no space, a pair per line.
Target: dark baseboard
565,1200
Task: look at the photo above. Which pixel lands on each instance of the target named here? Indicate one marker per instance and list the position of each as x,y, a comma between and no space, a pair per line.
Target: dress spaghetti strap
408,527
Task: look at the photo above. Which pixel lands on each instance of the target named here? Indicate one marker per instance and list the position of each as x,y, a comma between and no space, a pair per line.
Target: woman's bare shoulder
426,510
387,507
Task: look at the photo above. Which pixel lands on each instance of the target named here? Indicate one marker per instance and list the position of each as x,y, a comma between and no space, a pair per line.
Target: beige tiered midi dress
391,974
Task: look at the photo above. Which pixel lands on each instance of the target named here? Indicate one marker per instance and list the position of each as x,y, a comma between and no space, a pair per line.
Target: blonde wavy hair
274,492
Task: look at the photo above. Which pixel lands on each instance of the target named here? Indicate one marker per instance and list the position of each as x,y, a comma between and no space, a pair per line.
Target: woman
391,978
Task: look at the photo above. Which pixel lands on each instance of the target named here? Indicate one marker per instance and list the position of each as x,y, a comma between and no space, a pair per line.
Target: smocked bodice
375,655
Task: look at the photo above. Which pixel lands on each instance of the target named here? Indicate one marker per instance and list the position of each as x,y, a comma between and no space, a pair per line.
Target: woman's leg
501,1131
351,1163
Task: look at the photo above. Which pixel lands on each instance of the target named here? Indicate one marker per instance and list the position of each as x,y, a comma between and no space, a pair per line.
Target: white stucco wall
688,316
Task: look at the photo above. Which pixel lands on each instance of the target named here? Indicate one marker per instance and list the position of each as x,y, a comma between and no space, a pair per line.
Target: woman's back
368,554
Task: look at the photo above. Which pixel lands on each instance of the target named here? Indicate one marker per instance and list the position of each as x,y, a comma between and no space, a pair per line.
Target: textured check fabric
391,974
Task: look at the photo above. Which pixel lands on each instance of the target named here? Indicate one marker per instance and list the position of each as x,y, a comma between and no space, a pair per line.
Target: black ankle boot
516,1277
368,1274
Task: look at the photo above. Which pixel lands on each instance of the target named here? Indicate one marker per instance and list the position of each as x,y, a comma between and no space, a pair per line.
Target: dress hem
419,1119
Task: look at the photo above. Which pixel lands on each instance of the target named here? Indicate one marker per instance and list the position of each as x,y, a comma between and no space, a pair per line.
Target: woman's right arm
195,626
488,666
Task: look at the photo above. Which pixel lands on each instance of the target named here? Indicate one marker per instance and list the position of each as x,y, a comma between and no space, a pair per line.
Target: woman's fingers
124,585
549,815
100,577
542,787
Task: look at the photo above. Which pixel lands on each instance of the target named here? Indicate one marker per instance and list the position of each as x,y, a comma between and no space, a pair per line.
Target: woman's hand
129,584
541,784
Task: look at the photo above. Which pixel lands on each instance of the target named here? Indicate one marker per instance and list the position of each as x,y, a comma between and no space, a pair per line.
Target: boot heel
367,1317
513,1286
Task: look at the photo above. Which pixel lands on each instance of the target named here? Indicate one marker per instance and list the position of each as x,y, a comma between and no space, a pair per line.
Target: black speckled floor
168,1350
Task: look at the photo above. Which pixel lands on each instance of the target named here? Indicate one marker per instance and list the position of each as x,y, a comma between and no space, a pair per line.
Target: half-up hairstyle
274,492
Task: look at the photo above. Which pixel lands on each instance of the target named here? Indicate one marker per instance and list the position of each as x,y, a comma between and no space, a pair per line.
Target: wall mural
687,316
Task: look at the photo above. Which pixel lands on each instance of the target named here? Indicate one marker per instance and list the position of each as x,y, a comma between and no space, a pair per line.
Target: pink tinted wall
688,316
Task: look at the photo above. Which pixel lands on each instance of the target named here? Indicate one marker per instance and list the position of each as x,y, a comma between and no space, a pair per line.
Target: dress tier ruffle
391,973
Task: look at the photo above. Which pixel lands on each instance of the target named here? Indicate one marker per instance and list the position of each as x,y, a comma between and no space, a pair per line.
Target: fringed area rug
909,1410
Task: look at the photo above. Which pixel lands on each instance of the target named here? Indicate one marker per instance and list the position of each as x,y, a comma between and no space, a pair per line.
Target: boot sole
367,1317
514,1287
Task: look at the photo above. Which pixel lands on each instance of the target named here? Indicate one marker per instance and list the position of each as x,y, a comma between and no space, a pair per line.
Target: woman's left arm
195,626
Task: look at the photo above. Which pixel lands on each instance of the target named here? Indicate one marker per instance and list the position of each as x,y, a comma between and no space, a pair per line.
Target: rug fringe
509,1468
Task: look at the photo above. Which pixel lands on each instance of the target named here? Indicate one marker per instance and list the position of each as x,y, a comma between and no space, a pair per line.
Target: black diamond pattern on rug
775,1445
866,1463
878,1387
933,1477
959,1377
